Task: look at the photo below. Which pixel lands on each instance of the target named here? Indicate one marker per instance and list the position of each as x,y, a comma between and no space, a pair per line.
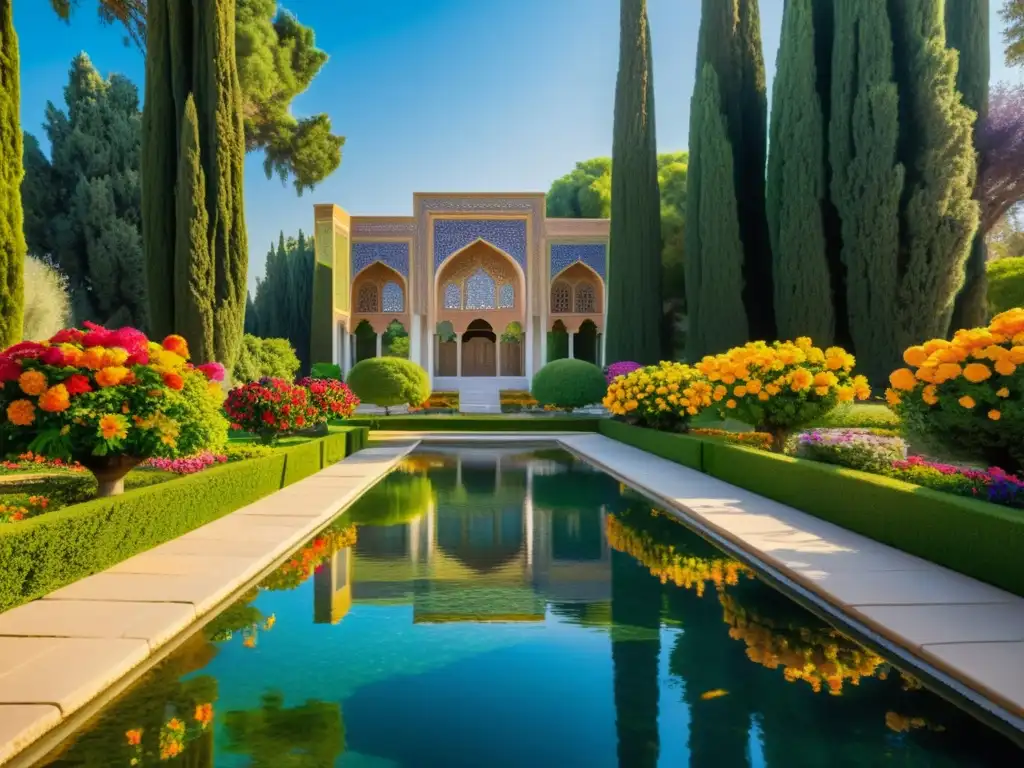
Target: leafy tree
583,193
1012,14
47,306
263,358
12,240
1005,284
180,64
1006,238
277,60
82,203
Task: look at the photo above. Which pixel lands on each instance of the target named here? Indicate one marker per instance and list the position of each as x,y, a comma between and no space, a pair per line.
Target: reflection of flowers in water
175,735
304,563
418,464
904,724
669,565
250,633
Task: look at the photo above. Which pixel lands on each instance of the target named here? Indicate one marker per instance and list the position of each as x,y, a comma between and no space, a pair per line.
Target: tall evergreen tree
939,215
967,31
634,285
283,305
868,180
720,312
797,190
191,50
12,239
82,203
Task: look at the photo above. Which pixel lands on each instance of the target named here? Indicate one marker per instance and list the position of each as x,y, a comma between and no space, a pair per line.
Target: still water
516,608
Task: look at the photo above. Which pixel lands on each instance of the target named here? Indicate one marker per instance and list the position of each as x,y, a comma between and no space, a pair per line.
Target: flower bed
271,408
992,485
856,449
623,368
438,402
760,440
332,399
516,401
187,465
31,463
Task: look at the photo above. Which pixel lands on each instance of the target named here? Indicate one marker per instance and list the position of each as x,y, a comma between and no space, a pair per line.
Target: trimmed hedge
976,538
45,553
478,423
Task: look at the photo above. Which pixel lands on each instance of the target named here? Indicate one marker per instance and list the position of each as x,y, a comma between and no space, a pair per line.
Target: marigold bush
781,386
271,408
967,395
109,399
330,397
664,396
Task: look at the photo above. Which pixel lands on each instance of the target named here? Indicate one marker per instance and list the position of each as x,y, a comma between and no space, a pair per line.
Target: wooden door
511,358
478,357
447,358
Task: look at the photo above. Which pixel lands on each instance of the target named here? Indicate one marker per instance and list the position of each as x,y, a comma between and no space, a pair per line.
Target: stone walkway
60,652
969,635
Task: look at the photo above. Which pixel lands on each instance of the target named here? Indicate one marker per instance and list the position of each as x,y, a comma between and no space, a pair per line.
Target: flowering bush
664,396
331,398
856,449
109,399
14,508
780,386
270,408
968,394
187,465
992,485
760,440
29,462
615,370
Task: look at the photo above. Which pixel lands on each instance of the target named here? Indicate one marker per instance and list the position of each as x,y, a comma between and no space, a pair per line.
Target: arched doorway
479,350
585,342
366,341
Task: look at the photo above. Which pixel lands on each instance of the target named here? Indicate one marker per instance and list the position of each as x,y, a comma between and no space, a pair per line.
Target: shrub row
976,538
48,552
477,424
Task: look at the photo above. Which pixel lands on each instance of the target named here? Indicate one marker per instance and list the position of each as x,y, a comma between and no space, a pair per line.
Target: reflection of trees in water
311,735
300,566
399,498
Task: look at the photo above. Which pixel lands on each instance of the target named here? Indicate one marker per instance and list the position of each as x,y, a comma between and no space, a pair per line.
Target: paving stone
996,667
924,624
156,623
158,561
65,672
185,545
924,587
21,724
203,591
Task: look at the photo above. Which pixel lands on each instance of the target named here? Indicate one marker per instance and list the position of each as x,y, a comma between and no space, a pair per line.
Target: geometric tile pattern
392,254
507,297
594,255
451,235
393,299
480,290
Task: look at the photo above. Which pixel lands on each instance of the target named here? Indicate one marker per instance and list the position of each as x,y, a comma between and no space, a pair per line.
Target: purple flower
615,370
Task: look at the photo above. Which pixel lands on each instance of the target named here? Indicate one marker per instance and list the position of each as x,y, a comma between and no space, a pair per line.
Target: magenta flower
212,371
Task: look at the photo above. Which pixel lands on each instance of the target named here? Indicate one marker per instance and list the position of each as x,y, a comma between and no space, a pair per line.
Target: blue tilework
506,297
392,297
480,289
394,255
452,297
594,255
451,235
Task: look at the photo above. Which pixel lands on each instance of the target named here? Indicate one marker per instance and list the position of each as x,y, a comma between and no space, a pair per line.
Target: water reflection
506,608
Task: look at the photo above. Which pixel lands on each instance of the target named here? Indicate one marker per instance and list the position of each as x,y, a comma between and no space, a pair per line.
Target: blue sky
433,95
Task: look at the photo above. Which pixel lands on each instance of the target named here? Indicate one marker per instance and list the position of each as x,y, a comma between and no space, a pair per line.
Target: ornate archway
479,281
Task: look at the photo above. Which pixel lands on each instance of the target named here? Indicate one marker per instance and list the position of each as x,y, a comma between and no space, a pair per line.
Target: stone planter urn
109,472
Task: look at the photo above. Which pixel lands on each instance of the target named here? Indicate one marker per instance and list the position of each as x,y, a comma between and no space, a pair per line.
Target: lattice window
393,298
506,297
586,299
480,290
452,296
561,298
368,301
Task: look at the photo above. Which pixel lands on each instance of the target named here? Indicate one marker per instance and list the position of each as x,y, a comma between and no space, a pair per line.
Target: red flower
132,341
173,380
53,356
268,417
97,336
10,369
77,384
25,349
67,336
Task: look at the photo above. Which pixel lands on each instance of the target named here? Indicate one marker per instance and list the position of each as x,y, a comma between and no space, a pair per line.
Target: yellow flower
113,427
21,413
773,389
995,415
93,358
730,403
800,379
903,379
967,401
1016,355
915,356
32,383
1004,392
928,395
845,394
754,386
114,356
1005,367
861,387
976,372
762,396
740,391
111,376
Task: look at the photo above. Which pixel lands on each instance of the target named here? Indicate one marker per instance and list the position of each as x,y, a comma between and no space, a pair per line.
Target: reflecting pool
514,607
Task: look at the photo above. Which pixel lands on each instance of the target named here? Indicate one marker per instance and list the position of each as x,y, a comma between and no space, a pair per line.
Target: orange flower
1016,355
903,379
1004,392
177,345
995,415
32,383
967,401
977,372
1005,367
892,397
928,395
113,427
173,380
21,413
846,394
134,736
915,356
947,371
800,380
93,358
55,399
111,376
730,403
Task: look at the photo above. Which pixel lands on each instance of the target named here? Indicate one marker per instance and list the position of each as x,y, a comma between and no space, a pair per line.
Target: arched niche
480,280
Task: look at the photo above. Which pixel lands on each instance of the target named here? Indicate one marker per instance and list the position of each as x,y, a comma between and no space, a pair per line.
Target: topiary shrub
1005,284
325,371
568,384
389,381
265,359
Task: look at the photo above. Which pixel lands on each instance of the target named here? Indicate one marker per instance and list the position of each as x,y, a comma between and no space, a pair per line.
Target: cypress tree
634,284
193,276
867,180
939,215
721,311
967,31
796,193
191,51
12,237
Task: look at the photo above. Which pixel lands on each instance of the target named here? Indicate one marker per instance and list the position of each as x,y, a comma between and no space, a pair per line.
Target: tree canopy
277,60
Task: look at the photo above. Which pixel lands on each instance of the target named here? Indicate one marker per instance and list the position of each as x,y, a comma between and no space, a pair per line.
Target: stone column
572,352
380,345
346,356
497,357
458,354
415,339
528,350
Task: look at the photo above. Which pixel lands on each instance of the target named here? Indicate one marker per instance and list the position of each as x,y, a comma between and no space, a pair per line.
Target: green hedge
678,448
48,552
478,423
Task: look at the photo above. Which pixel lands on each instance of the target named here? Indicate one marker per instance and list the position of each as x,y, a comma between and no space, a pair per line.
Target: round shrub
1005,284
389,381
568,384
664,396
260,358
271,408
967,395
330,397
781,386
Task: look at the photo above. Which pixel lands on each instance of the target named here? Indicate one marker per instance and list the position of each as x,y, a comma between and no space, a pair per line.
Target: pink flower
67,336
10,369
25,349
212,371
97,336
53,356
